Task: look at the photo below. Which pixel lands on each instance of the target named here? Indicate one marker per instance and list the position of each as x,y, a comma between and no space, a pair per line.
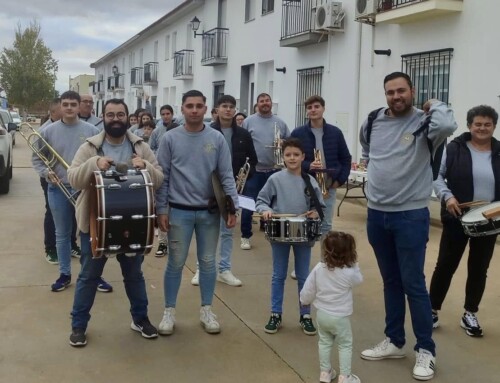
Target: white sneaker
293,275
195,281
208,320
228,278
424,365
166,326
383,350
348,379
245,244
327,376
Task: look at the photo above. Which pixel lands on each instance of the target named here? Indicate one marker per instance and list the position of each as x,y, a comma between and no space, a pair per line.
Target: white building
291,51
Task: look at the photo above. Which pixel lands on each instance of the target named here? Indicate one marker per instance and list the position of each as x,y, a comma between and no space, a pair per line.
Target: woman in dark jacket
470,171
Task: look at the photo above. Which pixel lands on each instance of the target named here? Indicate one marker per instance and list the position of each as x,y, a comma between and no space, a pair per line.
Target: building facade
292,49
81,83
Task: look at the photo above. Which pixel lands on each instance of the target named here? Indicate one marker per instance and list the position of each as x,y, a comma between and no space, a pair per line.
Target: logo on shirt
83,138
407,139
209,148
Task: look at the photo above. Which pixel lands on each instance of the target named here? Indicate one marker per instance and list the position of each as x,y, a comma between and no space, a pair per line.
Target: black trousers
451,249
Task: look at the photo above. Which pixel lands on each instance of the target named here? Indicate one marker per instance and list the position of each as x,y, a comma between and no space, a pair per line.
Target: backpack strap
369,124
313,195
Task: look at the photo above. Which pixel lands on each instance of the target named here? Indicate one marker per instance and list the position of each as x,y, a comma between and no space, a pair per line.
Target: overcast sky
80,32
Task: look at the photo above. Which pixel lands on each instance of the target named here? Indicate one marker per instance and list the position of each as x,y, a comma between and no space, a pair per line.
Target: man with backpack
399,147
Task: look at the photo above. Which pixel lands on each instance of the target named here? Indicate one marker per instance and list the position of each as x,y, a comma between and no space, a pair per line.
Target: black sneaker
145,327
162,250
274,324
471,325
307,325
103,286
435,319
78,337
61,283
76,252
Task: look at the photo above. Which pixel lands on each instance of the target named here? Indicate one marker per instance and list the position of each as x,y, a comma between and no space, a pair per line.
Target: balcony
136,77
214,43
100,87
297,23
151,73
116,83
409,11
93,84
183,64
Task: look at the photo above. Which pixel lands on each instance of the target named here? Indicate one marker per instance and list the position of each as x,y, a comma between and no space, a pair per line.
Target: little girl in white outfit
329,288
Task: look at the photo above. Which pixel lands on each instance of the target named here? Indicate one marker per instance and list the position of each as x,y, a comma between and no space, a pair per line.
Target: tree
27,70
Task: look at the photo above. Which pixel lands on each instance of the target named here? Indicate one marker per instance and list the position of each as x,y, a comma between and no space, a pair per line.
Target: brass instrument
47,154
242,176
278,150
321,176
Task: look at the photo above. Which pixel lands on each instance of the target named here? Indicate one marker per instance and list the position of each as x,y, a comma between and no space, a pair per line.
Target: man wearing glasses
114,145
86,107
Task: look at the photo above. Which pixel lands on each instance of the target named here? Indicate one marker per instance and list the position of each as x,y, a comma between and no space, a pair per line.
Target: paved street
35,323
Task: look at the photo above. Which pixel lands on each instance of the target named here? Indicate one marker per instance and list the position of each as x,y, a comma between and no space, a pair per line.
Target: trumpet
242,176
321,176
47,154
278,150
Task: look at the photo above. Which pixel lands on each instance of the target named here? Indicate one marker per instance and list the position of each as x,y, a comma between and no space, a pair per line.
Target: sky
80,32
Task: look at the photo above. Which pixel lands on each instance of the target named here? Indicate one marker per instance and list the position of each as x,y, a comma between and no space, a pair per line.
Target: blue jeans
399,240
225,246
252,188
206,228
281,251
86,285
327,223
63,213
49,230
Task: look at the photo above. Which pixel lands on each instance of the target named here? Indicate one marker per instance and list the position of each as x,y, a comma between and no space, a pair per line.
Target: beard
116,129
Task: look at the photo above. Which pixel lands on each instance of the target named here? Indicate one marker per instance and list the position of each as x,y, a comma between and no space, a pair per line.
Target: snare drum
476,225
121,213
292,229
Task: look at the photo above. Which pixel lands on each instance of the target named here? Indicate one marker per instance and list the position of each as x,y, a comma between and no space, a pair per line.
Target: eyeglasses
111,116
87,102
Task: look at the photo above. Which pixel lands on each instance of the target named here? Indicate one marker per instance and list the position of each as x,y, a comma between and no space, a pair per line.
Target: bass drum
121,213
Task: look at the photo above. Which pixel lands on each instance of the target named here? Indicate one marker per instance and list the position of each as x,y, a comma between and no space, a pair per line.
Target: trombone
47,154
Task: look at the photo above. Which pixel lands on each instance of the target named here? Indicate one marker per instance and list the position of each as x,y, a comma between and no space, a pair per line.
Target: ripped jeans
206,228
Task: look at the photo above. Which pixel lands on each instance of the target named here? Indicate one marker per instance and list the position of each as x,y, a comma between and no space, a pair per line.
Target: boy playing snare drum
288,191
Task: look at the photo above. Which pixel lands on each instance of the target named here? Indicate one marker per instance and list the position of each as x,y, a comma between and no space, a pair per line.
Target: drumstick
276,215
471,204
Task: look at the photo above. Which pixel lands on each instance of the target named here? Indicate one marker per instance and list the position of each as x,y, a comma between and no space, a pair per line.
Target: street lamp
195,25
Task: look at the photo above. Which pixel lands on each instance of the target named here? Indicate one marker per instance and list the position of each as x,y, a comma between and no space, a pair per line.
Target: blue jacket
337,156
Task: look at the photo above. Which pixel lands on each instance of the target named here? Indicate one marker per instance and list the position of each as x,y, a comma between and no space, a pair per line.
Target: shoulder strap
371,117
313,195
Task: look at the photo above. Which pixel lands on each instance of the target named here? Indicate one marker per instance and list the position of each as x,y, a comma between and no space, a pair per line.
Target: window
308,84
174,44
430,74
249,10
167,47
218,90
267,6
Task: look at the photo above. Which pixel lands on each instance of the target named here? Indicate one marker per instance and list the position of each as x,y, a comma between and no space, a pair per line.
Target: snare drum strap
313,195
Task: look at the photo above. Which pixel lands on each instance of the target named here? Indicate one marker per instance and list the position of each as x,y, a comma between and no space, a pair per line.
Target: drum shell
292,230
121,214
476,225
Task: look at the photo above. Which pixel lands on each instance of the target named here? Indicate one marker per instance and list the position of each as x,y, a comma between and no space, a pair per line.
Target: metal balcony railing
100,86
151,73
214,46
116,82
183,63
136,77
387,5
297,17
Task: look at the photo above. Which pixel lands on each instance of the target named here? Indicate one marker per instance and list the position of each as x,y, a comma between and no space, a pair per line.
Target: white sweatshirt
331,290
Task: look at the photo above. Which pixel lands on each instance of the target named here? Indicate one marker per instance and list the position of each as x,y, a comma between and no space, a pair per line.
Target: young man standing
398,190
241,147
188,156
335,156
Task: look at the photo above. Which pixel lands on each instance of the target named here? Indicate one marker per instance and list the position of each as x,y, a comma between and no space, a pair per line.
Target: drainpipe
355,141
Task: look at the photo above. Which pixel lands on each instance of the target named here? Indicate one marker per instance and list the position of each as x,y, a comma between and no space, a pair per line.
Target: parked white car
16,118
6,118
6,155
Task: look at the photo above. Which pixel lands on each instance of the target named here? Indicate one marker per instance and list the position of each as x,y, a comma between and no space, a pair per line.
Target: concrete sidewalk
35,323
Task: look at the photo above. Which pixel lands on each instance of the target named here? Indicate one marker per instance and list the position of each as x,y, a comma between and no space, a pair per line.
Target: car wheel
4,183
